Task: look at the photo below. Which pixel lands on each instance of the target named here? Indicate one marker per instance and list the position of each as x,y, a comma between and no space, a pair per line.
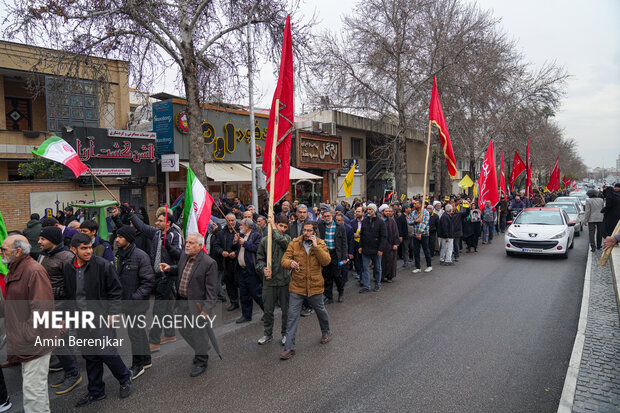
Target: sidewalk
593,378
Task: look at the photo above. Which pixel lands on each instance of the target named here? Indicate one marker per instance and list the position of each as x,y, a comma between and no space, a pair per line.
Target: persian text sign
321,152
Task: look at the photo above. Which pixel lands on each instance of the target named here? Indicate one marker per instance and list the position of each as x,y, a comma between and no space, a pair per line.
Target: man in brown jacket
305,257
28,289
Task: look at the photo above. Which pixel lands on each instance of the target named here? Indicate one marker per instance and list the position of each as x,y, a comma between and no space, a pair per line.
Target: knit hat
383,207
53,234
127,232
339,208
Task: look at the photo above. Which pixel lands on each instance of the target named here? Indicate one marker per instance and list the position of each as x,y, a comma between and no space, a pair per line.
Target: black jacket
292,229
103,288
340,239
53,262
373,236
457,223
446,227
136,275
433,223
174,243
401,223
224,242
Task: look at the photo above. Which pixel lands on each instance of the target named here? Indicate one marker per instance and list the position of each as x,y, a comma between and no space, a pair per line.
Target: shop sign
318,152
162,125
226,143
180,122
170,162
113,155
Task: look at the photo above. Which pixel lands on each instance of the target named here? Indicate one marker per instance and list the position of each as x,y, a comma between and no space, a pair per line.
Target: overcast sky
582,36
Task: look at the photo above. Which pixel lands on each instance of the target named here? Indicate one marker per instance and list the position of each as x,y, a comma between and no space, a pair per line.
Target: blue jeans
487,231
376,262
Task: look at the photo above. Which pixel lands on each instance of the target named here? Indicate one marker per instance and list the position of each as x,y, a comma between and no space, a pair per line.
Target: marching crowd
315,251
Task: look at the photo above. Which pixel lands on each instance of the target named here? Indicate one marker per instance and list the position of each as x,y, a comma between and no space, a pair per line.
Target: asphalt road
492,333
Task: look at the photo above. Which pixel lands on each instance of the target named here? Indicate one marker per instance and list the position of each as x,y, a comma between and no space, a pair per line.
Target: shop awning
237,172
295,174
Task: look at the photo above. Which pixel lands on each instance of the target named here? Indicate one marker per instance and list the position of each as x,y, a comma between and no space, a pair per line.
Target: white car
574,214
581,195
540,231
574,199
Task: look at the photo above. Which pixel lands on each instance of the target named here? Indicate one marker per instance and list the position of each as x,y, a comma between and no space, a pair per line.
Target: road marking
570,383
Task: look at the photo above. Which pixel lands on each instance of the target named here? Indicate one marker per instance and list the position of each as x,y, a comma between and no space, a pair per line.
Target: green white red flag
197,210
58,150
3,268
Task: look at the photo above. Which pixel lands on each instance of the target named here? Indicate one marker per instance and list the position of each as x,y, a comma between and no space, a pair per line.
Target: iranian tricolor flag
58,150
197,210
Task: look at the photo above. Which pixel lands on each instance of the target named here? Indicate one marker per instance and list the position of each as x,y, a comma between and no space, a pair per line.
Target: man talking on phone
305,257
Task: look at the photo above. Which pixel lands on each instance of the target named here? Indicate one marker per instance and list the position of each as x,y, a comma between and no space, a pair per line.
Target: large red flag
528,180
574,184
518,166
435,115
554,178
502,179
487,181
286,119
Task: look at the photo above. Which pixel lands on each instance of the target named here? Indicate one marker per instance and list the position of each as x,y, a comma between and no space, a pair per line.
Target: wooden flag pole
272,179
428,149
103,185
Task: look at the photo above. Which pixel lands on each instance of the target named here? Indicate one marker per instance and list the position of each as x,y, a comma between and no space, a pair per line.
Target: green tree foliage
40,168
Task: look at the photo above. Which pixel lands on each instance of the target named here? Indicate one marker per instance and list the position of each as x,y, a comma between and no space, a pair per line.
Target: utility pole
252,126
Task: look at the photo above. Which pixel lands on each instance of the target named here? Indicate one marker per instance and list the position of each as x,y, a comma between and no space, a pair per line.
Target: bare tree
201,40
383,64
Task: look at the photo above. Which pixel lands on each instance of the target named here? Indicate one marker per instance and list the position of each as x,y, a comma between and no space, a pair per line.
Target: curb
570,382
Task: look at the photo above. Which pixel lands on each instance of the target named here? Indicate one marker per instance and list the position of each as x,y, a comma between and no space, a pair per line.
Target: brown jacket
308,281
28,289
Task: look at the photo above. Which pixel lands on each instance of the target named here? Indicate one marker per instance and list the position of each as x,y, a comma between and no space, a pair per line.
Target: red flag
574,185
286,119
528,180
518,166
487,181
554,178
566,181
435,115
502,179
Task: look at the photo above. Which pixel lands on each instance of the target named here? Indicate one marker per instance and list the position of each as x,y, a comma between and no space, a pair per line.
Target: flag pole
103,185
272,179
428,148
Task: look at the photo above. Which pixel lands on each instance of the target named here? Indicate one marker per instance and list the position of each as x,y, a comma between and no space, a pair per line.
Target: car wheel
577,233
510,253
572,243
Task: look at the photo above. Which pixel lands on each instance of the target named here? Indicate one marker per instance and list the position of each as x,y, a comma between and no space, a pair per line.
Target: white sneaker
283,341
417,270
6,405
264,340
428,269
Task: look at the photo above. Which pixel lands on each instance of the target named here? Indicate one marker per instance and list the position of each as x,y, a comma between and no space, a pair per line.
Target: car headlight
560,235
511,234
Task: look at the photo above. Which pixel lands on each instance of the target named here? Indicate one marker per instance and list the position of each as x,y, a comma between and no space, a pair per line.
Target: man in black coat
457,223
166,246
373,239
433,223
196,296
135,273
226,248
340,218
335,238
91,284
403,233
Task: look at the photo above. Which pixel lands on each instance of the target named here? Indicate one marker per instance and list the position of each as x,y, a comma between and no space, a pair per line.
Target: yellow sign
475,190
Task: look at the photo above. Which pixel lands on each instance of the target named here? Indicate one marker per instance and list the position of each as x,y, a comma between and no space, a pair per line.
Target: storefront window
309,193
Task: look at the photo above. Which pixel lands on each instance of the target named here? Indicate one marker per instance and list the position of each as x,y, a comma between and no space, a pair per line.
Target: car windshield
569,208
566,199
539,218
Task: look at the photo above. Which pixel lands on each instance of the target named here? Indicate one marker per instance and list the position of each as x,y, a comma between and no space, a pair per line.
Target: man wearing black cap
54,256
135,273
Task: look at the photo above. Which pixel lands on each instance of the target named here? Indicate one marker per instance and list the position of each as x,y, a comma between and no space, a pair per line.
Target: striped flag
3,268
58,150
197,211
